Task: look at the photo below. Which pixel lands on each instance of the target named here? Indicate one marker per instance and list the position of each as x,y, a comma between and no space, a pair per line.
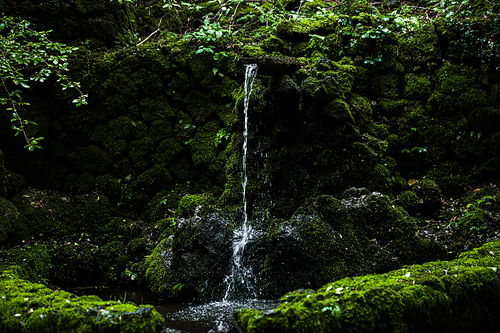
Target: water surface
185,317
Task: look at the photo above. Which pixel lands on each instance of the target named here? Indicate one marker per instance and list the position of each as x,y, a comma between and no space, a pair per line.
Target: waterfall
239,274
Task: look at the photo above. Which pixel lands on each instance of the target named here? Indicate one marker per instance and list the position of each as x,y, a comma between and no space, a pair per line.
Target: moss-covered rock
32,262
74,265
140,152
456,295
91,159
198,252
12,228
419,49
203,146
189,203
330,238
31,307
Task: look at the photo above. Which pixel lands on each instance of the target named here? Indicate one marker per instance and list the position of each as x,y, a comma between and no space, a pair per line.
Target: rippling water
202,318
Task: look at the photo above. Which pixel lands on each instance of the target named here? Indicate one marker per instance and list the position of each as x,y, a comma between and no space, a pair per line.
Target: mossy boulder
192,263
91,159
330,238
31,307
458,295
424,197
159,275
12,227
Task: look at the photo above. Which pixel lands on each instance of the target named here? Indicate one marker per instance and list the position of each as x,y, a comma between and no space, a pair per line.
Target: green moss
456,89
85,6
156,108
53,214
108,185
275,44
111,260
387,85
140,152
160,130
252,51
32,262
31,307
149,82
219,85
409,201
361,109
85,183
159,277
120,128
188,203
468,148
99,134
227,114
417,86
424,198
157,176
203,146
180,85
116,148
167,150
118,91
184,127
339,111
448,176
74,265
137,248
199,106
419,48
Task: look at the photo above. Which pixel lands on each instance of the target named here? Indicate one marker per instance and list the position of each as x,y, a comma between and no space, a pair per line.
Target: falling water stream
239,274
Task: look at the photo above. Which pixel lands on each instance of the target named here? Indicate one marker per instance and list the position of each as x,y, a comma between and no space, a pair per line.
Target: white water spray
239,274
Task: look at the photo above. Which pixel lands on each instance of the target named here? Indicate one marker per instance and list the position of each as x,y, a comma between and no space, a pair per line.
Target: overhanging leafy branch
22,48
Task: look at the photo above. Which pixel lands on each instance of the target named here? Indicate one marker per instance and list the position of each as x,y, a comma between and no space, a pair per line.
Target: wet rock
274,66
328,238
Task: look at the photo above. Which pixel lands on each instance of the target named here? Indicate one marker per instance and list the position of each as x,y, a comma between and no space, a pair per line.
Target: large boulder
193,262
327,238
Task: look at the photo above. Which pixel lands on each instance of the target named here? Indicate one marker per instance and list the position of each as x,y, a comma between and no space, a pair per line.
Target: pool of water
202,318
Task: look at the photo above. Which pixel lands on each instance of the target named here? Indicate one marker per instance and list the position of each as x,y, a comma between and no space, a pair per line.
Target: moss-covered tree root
32,307
440,296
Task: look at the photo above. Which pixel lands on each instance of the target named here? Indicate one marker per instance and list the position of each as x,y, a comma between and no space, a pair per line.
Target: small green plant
222,134
207,36
22,47
178,286
132,276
